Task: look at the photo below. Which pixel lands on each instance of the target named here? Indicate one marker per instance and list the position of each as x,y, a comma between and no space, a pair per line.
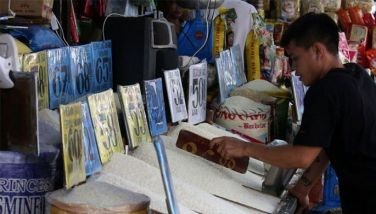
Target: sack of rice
242,115
97,197
24,181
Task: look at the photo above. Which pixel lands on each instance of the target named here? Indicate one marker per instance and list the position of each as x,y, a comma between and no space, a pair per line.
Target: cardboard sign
175,94
197,93
60,81
155,107
106,124
238,65
199,145
73,150
92,159
102,62
83,76
134,115
299,93
37,62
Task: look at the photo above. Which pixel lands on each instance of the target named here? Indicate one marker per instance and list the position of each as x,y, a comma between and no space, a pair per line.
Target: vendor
339,119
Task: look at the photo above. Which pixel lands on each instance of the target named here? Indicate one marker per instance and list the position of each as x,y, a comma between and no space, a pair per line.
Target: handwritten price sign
106,124
59,77
102,58
197,93
155,107
199,146
175,95
82,70
134,115
71,130
37,62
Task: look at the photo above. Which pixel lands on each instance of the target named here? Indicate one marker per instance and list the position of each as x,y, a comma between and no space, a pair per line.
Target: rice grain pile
122,169
210,177
93,197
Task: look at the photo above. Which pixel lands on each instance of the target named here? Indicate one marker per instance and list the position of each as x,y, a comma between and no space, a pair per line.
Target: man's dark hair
311,28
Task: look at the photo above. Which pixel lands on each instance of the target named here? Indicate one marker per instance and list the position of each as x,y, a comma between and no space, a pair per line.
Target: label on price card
175,95
134,115
59,77
73,152
102,62
106,124
197,93
155,107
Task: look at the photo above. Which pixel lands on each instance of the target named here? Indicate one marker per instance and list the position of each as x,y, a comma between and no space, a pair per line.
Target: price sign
73,155
226,75
134,115
197,93
59,77
106,124
102,58
155,107
238,65
37,62
175,95
81,67
198,145
92,159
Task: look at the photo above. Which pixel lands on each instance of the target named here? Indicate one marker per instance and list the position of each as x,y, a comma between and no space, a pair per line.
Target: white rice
95,195
211,177
143,175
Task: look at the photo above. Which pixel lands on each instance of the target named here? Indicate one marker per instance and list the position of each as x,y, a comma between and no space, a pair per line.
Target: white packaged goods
214,179
245,116
97,197
256,96
268,88
122,169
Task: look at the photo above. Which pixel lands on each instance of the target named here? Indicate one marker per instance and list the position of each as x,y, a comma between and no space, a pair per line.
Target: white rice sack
257,96
245,116
211,178
145,176
267,88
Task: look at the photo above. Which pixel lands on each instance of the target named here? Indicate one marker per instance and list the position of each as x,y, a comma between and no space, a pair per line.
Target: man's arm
310,176
286,156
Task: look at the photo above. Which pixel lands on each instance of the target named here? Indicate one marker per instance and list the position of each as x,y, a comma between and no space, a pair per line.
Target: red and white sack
246,117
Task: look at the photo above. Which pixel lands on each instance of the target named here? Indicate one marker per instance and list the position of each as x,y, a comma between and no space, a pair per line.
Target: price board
134,115
73,153
226,75
60,80
238,65
102,62
197,93
92,159
175,95
37,62
199,145
106,124
82,70
155,107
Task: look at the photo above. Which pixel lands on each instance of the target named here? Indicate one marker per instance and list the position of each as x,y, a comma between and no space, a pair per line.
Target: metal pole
166,176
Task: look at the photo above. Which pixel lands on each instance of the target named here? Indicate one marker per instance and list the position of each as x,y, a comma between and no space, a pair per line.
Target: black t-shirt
340,116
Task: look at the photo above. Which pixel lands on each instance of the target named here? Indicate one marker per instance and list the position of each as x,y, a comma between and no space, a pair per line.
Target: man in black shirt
339,119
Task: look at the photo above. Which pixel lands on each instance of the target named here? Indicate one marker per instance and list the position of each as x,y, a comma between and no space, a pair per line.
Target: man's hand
303,199
229,147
